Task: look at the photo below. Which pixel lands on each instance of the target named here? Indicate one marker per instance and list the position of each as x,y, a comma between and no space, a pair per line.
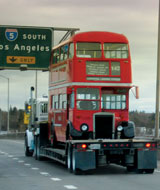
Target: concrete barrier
19,136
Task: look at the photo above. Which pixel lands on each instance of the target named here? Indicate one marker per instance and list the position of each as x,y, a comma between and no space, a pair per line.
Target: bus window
85,97
56,56
115,50
62,101
88,50
52,100
72,100
56,102
64,52
113,101
61,54
71,50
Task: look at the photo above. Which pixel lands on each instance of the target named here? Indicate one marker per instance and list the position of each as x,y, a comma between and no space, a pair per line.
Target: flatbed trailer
139,155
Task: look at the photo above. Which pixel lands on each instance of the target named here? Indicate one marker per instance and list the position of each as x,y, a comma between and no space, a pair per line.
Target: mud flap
85,160
146,159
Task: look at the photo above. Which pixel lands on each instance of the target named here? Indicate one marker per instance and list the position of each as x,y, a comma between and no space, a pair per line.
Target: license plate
95,146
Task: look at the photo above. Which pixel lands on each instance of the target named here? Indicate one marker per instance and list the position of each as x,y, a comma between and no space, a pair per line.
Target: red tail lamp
148,145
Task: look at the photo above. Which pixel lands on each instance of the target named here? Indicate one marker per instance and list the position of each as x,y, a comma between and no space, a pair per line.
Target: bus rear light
127,145
104,145
111,145
148,145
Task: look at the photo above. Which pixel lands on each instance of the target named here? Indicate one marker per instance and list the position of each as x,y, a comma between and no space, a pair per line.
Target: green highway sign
25,47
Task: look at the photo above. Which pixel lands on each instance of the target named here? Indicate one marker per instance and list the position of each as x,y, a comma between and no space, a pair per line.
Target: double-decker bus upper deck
92,57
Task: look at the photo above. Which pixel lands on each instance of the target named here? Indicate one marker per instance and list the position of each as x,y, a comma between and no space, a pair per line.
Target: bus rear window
88,50
115,50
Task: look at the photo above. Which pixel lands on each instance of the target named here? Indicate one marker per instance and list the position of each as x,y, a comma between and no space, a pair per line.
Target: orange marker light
148,145
84,146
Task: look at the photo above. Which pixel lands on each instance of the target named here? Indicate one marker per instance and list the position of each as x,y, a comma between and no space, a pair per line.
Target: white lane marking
35,168
157,170
4,153
44,173
56,179
15,158
70,187
21,161
27,164
10,156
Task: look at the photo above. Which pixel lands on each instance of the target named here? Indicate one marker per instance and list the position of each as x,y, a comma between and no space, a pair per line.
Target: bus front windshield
89,99
88,50
116,50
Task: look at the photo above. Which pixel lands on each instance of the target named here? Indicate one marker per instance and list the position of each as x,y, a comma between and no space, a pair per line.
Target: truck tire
140,171
26,148
149,171
135,170
69,159
75,170
37,148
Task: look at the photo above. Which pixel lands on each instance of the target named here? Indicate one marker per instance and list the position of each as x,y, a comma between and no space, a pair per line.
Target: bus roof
96,36
100,36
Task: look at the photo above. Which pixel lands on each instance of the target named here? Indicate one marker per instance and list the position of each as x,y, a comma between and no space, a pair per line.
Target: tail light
148,145
153,145
84,146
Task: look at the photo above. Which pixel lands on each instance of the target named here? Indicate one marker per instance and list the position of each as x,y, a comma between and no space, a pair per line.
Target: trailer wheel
140,171
37,148
75,170
69,159
134,169
130,168
26,148
149,171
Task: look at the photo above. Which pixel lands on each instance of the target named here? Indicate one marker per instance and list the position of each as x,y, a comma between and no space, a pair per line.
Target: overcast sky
137,19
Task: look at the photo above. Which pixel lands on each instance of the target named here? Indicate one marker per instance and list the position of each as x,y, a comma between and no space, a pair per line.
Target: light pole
158,81
7,102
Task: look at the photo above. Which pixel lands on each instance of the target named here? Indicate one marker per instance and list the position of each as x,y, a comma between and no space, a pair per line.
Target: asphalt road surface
18,172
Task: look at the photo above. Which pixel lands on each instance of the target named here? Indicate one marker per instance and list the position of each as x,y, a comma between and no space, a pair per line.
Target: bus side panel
147,159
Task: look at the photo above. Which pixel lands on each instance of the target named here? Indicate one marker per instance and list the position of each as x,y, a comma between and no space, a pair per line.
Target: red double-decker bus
89,83
88,125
